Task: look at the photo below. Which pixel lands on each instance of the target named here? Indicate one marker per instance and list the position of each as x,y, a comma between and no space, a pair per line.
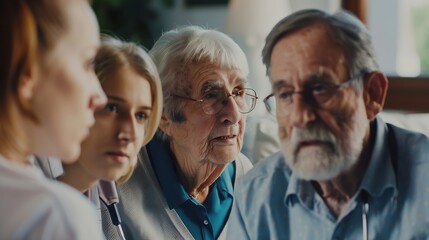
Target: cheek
343,119
100,136
284,128
348,105
94,141
282,133
201,130
141,133
242,125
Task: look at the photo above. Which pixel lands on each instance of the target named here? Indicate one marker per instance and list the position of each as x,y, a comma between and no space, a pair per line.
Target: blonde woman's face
66,91
117,136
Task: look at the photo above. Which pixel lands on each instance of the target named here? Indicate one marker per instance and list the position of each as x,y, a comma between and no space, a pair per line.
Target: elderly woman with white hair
183,185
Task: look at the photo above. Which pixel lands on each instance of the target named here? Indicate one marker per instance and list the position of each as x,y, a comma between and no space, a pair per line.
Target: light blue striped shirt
271,203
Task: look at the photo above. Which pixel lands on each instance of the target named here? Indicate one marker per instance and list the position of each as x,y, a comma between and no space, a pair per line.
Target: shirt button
206,222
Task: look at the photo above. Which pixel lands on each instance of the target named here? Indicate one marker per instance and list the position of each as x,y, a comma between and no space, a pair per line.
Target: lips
311,143
118,156
226,137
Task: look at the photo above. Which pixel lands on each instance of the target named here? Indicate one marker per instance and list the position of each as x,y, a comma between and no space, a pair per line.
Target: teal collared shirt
272,203
204,221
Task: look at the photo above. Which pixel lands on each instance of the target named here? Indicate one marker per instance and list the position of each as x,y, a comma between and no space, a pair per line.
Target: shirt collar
225,180
379,175
165,171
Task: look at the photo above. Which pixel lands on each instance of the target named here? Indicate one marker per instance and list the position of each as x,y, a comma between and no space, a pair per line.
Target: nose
127,128
301,112
97,98
230,112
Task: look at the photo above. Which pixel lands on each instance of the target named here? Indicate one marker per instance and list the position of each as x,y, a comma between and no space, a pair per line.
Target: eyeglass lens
214,101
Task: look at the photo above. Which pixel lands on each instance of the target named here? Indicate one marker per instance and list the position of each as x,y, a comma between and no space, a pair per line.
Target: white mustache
313,133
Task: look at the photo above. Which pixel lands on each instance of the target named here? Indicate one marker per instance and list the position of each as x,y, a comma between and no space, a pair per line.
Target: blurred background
400,31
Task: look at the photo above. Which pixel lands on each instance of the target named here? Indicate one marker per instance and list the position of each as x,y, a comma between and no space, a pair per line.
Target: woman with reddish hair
48,95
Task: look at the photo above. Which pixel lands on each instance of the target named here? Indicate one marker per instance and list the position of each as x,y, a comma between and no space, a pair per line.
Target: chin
71,155
316,174
317,164
111,177
225,156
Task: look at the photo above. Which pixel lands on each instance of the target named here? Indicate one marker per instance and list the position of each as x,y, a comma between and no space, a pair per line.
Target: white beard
334,156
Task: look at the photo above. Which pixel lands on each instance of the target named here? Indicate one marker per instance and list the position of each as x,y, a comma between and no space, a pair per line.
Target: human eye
213,94
320,88
283,94
142,116
110,107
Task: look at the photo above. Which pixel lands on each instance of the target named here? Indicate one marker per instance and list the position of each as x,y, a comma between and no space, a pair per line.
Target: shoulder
52,210
410,144
69,210
261,190
243,164
263,174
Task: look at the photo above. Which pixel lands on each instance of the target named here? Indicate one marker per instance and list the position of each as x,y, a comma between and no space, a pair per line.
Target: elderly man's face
319,142
215,138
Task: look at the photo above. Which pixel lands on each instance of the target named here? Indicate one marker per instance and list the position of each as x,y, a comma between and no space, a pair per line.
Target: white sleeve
66,216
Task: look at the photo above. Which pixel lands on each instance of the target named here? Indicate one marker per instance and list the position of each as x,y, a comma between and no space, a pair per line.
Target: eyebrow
318,77
315,77
217,84
121,100
281,83
210,85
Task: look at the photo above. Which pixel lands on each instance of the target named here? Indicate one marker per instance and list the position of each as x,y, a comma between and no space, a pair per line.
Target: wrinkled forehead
204,75
305,53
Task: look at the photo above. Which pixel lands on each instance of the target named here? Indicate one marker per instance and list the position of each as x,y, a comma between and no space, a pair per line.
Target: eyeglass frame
227,95
337,87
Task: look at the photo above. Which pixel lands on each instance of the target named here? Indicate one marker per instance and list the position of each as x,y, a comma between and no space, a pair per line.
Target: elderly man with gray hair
342,173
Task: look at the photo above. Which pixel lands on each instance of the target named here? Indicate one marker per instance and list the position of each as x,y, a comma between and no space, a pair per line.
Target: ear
26,84
374,93
165,125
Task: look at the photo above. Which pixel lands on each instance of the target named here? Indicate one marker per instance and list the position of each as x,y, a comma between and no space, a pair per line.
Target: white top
33,207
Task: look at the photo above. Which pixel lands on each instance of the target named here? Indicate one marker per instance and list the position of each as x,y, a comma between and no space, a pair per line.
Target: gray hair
344,28
175,49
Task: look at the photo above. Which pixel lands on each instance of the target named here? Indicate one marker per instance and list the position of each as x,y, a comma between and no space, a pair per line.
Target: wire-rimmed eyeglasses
317,94
215,100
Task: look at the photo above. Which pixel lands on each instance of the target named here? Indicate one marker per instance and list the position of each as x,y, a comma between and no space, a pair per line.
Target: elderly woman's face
216,138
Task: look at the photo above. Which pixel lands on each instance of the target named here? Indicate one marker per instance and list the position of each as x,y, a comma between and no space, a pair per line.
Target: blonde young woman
48,95
127,122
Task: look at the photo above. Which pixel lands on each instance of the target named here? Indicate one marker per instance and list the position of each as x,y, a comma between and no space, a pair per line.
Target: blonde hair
115,54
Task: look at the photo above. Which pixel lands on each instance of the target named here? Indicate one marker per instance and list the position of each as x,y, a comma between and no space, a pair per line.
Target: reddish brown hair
27,28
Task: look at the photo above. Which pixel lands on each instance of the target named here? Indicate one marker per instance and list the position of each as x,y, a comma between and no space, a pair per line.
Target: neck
197,175
15,157
15,150
77,177
338,191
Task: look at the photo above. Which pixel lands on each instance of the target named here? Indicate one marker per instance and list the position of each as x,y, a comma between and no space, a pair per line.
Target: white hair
178,47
